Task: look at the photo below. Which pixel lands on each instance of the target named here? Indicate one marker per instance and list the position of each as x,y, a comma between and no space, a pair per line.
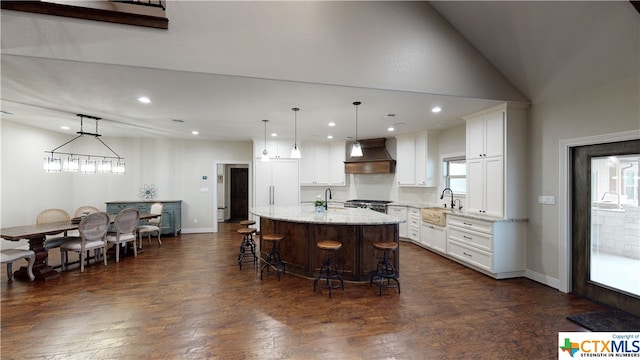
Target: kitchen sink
436,216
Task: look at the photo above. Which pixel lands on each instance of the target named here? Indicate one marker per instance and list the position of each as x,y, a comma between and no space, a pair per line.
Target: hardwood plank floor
187,299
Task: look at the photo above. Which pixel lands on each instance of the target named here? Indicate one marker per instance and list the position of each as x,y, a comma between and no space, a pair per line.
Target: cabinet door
262,183
494,134
421,160
337,153
475,138
321,162
307,164
475,186
494,186
426,235
440,239
286,184
401,213
405,166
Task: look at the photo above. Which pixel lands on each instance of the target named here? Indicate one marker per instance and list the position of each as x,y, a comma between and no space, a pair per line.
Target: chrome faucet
459,204
453,204
326,203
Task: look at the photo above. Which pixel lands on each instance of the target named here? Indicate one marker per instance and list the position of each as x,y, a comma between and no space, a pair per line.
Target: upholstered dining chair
152,225
126,223
50,216
93,236
8,256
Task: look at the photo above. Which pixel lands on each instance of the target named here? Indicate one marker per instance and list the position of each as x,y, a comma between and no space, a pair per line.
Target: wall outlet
195,221
547,200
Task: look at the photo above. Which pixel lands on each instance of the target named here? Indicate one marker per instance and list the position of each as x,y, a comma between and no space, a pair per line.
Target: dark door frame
215,185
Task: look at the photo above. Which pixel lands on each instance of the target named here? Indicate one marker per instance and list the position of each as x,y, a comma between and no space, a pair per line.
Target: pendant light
295,152
265,153
356,149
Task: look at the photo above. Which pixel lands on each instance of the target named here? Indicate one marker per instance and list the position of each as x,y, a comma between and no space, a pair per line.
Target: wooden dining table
36,234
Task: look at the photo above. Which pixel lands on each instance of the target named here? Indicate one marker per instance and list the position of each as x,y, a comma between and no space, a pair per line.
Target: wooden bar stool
247,247
329,270
247,223
273,259
385,269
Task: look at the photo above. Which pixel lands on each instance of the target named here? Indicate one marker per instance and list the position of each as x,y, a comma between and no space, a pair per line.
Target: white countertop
334,216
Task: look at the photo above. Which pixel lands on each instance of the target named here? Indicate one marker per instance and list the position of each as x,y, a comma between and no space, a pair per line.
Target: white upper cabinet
278,149
322,163
417,160
496,162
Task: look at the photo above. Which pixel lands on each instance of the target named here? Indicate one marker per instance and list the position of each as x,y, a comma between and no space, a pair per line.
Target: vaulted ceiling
222,67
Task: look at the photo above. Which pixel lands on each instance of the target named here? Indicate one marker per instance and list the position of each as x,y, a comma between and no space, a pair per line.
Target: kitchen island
302,227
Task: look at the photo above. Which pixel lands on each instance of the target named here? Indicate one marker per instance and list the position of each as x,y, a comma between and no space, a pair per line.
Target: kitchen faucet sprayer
453,204
326,203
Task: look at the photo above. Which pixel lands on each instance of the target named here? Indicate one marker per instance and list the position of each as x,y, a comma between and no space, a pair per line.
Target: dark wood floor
187,299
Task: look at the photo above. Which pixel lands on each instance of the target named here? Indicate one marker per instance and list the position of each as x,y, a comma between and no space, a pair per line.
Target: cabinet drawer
414,234
470,255
475,239
471,224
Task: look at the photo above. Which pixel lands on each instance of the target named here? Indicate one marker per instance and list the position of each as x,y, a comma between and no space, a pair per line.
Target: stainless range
375,205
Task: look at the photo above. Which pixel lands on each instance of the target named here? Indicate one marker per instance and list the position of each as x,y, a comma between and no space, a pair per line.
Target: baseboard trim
543,279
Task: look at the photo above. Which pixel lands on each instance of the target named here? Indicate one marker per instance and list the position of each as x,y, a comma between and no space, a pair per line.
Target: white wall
175,167
604,110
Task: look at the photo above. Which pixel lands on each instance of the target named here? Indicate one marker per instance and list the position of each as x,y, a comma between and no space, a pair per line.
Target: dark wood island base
356,259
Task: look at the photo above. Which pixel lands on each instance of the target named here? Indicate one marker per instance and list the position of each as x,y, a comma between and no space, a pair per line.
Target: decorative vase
319,209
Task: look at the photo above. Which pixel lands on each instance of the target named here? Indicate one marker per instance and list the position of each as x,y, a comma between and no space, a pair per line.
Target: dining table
36,234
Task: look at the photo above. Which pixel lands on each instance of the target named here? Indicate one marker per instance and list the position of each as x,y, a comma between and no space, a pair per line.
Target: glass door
606,224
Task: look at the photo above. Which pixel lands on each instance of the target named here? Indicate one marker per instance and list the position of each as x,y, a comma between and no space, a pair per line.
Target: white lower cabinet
434,237
493,247
413,224
401,213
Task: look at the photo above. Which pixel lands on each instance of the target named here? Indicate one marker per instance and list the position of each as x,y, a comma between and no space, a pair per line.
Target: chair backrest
156,208
127,221
94,226
52,215
85,209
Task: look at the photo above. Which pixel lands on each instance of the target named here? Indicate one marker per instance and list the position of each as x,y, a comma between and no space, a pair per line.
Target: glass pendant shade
295,152
71,164
52,164
356,149
119,168
104,166
88,166
265,153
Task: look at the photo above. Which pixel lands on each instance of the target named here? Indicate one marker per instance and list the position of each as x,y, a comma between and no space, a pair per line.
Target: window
455,174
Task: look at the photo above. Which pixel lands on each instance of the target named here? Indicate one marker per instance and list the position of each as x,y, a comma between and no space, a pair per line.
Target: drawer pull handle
468,224
469,255
467,237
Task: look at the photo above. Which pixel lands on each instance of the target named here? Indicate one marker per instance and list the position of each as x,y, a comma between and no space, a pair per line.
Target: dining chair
126,223
93,236
50,216
8,256
85,210
152,225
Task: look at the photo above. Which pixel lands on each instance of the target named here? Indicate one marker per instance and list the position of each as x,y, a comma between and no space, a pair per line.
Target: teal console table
171,212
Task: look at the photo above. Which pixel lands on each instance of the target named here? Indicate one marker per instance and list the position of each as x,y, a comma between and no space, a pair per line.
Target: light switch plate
547,200
204,189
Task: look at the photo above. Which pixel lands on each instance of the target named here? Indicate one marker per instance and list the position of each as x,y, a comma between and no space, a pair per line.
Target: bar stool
273,259
329,270
247,247
247,223
385,269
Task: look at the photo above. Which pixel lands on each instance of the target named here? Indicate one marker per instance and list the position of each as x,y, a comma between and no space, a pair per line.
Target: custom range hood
374,160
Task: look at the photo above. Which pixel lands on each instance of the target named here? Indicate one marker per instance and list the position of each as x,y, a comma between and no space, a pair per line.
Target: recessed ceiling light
64,127
144,100
436,109
332,124
391,128
274,134
329,136
195,132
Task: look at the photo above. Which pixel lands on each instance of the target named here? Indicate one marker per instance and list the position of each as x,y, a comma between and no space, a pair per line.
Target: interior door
606,224
239,194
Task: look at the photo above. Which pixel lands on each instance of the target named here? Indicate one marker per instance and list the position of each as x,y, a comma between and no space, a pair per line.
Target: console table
171,212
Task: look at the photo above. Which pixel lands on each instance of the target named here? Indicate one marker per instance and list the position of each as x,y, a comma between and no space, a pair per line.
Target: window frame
446,177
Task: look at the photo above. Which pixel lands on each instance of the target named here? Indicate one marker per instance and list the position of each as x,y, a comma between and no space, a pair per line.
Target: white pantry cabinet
496,162
416,163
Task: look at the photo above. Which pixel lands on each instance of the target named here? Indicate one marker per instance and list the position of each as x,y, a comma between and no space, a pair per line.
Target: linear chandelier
85,163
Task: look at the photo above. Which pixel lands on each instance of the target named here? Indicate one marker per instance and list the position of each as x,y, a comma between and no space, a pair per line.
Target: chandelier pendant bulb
295,151
265,153
356,149
74,163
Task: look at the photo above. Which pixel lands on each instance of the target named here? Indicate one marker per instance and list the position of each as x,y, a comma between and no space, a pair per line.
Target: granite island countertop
334,216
